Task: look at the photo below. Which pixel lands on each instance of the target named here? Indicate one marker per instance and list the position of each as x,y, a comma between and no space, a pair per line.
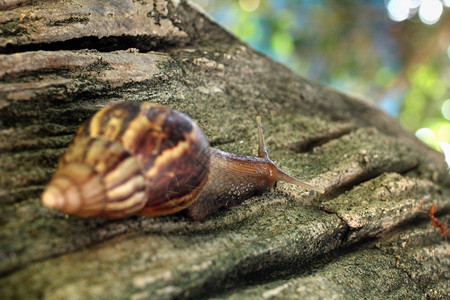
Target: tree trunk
63,60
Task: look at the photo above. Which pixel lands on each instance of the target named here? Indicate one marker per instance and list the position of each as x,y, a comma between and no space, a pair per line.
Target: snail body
146,159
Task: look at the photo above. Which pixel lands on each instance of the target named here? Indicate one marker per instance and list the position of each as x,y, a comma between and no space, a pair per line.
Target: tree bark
63,60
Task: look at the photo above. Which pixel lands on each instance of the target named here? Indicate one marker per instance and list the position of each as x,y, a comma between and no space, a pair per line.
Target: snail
145,159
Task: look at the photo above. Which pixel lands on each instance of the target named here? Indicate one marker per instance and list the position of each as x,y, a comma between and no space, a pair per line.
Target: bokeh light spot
249,5
446,109
445,147
430,11
413,4
443,133
427,136
398,10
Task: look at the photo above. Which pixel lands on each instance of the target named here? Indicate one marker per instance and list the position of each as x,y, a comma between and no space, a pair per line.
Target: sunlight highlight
398,10
430,11
446,109
445,147
414,4
443,133
427,136
249,5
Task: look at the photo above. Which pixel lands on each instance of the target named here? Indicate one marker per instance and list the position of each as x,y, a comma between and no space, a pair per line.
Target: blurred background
394,52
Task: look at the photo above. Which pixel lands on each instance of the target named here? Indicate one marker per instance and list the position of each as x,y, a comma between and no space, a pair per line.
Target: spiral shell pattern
131,159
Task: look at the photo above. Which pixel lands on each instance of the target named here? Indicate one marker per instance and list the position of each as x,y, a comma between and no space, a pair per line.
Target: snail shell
125,160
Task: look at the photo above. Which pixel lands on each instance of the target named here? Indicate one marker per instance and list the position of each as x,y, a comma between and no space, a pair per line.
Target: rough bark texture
63,60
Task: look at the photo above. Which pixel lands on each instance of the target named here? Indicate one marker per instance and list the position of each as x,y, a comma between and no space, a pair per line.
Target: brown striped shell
131,159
